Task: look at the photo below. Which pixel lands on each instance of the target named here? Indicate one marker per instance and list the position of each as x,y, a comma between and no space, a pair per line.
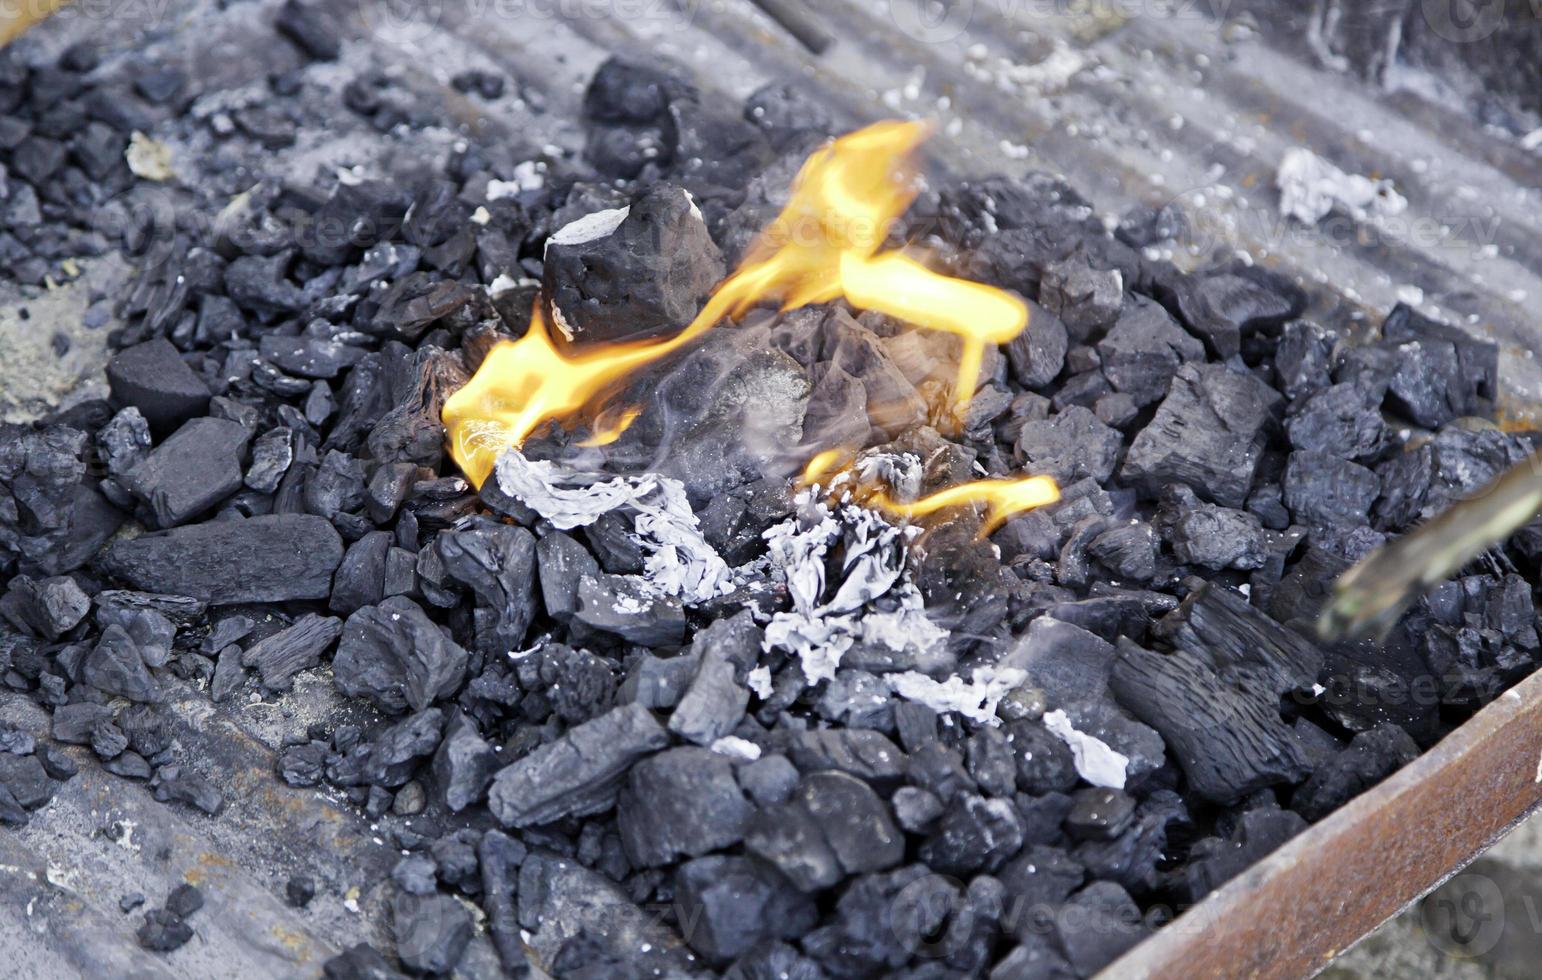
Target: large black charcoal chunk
682,802
1303,358
1326,491
713,705
431,932
297,647
24,777
497,562
464,763
361,578
397,657
153,378
1243,644
974,834
1442,372
736,902
1038,353
1225,304
578,773
622,606
1214,861
1212,537
199,466
1342,420
412,430
862,752
47,608
562,563
1069,664
1371,757
1229,742
637,272
1143,351
1071,445
309,357
275,558
115,667
1209,433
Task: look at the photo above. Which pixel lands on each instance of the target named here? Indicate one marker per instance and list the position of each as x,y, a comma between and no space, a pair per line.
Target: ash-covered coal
649,705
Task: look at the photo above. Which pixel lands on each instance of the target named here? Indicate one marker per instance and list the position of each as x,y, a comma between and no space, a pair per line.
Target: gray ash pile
651,706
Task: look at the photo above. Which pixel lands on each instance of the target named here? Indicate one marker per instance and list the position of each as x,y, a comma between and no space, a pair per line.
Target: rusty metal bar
1293,912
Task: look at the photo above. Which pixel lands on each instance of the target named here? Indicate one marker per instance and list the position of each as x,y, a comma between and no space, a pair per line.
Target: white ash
596,224
975,699
819,633
679,562
759,682
1311,187
736,748
1096,762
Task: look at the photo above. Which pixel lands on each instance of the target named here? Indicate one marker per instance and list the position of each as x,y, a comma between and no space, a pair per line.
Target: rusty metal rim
1293,912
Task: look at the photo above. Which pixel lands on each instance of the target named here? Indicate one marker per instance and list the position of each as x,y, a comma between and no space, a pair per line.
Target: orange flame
825,245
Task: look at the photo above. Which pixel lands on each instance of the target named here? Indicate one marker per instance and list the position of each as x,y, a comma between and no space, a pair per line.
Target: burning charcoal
974,833
1098,924
1303,359
153,378
115,667
260,559
412,431
360,579
396,657
1371,757
620,605
185,786
47,608
1223,305
277,658
1228,741
1085,298
1243,644
712,706
24,778
432,932
562,562
1442,372
498,563
1208,433
1342,420
1143,351
1129,551
1214,861
199,466
1069,446
576,774
1323,490
464,763
163,931
683,802
1212,537
633,272
1099,814
736,903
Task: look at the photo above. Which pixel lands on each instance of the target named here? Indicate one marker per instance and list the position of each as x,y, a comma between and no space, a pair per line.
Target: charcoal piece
411,431
1324,491
789,840
1143,350
1224,305
1229,742
396,657
37,158
578,773
259,284
940,769
1243,644
299,646
864,753
658,683
271,126
414,303
388,487
463,764
1214,861
713,704
163,931
1099,923
1071,445
303,765
1341,420
562,563
25,779
1442,371
1099,814
46,608
973,834
916,809
184,900
1067,663
74,723
308,28
16,741
414,874
360,579
1303,359
625,91
1032,958
622,606
642,271
107,739
1117,410
1207,536
1087,299
498,858
1129,551
1037,355
1371,757
196,468
98,150
115,667
879,920
852,820
769,780
894,406
498,563
1132,858
272,454
1209,433
390,759
683,802
57,763
359,962
12,813
123,441
309,357
183,785
736,903
275,558
153,378
431,931
229,673
336,486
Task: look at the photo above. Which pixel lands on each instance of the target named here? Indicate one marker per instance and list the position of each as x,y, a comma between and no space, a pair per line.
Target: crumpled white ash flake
1096,762
975,700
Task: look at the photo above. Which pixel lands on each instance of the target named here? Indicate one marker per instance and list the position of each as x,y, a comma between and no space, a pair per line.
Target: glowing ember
825,245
